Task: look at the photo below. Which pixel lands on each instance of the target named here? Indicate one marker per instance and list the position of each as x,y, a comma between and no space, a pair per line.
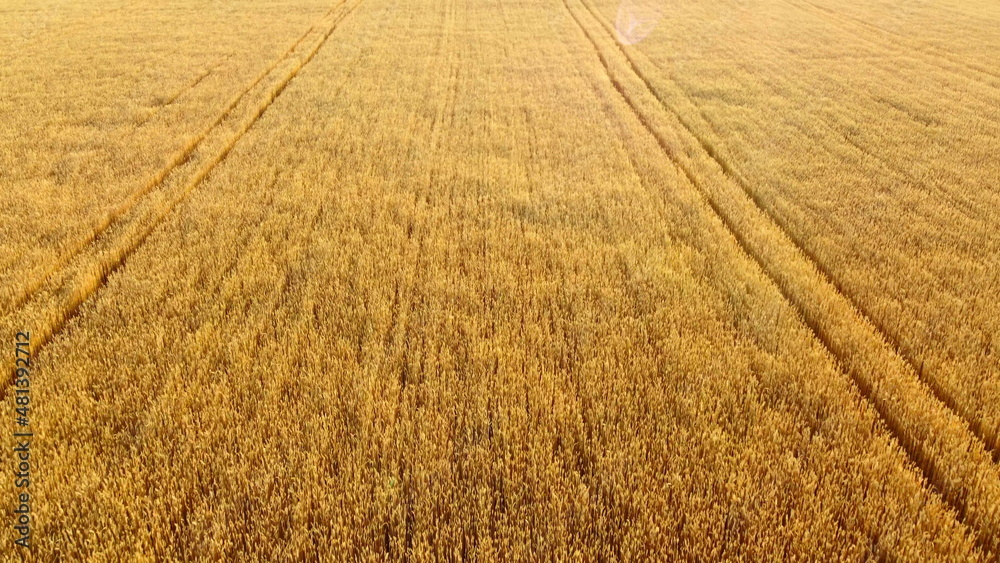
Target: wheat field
525,280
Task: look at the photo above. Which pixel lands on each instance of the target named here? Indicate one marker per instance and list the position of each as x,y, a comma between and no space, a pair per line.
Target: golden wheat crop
506,279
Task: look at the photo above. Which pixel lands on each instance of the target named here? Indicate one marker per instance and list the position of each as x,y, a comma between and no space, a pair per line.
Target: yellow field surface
523,280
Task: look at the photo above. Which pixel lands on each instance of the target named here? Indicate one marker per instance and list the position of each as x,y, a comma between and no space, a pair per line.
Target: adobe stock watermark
22,439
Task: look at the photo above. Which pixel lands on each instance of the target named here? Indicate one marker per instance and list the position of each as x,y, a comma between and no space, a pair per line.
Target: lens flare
636,19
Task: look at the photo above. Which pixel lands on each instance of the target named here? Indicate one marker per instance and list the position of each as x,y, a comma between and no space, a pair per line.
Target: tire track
58,299
228,272
914,365
953,460
179,159
169,100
